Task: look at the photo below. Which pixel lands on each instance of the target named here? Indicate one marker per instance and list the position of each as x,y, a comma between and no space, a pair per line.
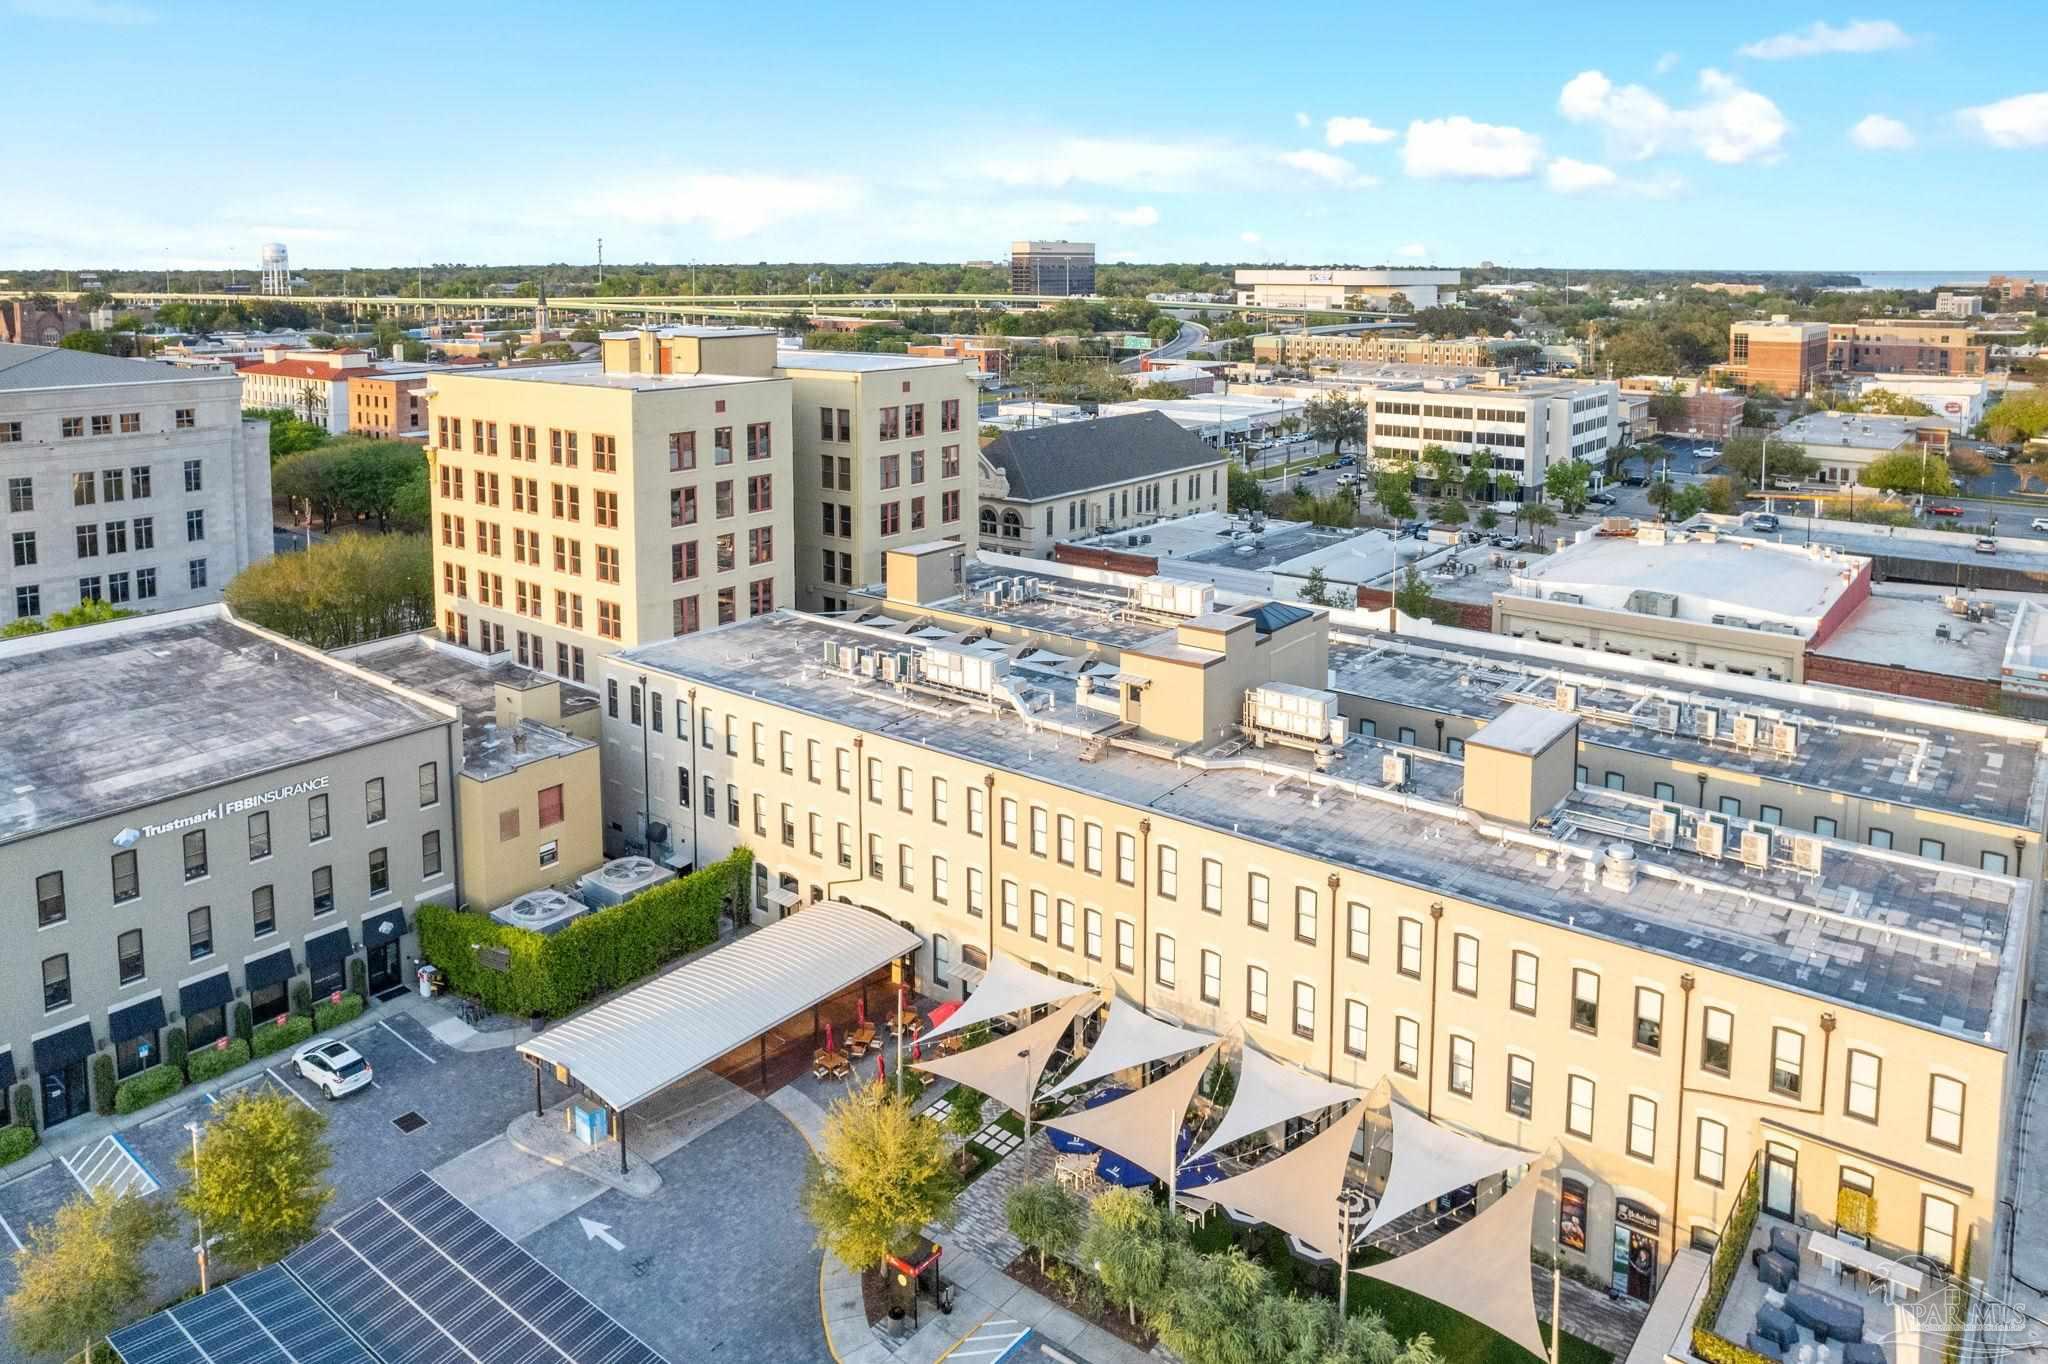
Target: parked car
333,1068
1945,509
1766,522
1418,529
1600,499
1345,462
2041,523
1986,545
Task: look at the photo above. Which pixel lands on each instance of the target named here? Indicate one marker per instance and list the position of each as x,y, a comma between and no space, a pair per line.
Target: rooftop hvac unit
1710,837
1785,740
543,911
1756,848
1569,598
1664,826
1618,867
1707,721
1745,731
621,879
1567,696
831,653
1667,717
1806,853
1394,771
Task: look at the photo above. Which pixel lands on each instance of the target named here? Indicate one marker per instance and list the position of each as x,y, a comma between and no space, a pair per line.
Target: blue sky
1705,136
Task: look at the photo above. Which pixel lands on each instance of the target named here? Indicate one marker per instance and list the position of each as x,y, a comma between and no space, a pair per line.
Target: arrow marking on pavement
600,1231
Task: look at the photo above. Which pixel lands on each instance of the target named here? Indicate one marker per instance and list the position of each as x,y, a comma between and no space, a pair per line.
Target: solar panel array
260,1318
413,1277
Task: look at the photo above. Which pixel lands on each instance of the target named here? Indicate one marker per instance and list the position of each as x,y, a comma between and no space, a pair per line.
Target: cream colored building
1042,485
583,508
1339,288
1172,804
1374,348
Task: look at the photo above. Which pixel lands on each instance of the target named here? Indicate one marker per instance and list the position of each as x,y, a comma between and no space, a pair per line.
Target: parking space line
271,1071
141,1167
385,1023
65,1161
10,1234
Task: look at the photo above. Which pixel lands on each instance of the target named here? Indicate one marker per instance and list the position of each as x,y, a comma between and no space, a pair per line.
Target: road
1190,335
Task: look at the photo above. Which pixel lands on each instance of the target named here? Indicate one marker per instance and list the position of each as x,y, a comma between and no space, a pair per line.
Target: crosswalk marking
990,1342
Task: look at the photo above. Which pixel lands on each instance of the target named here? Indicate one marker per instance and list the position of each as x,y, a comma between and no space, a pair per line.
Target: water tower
277,269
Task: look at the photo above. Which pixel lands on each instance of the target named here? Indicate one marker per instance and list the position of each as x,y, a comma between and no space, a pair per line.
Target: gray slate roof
26,367
1068,457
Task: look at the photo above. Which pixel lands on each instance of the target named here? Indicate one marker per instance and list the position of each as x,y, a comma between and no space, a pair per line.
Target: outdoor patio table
1837,1254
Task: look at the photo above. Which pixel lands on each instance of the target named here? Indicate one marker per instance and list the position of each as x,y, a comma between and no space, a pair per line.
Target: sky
1728,136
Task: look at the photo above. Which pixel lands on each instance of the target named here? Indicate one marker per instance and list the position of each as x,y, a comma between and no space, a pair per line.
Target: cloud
730,205
1820,39
1667,63
1144,215
1250,238
1117,163
1302,120
1567,176
111,13
1876,133
1323,166
1730,124
1457,148
2021,121
1412,251
1342,132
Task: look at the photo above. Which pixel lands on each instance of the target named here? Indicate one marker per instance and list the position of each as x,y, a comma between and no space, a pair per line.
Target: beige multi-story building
1780,356
1897,345
389,405
312,385
1338,287
1165,797
1372,348
583,508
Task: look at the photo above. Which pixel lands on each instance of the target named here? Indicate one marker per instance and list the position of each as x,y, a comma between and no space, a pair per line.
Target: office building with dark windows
195,814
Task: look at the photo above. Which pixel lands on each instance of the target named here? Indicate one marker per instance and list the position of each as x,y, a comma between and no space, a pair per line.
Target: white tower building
277,269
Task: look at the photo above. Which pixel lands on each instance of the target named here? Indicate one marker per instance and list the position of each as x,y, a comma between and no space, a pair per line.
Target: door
1781,1182
65,1094
1642,1266
384,971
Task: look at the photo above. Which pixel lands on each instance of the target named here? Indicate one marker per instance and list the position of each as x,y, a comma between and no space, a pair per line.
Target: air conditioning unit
1667,717
1664,826
542,911
1756,848
1745,731
1707,721
621,879
1785,740
1394,771
1567,696
1806,853
1709,837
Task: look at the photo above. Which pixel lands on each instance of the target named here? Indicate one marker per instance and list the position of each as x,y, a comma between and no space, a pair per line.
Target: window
24,549
1258,900
1169,872
56,982
1522,993
1933,849
905,790
373,801
1008,893
1717,1045
1040,831
1945,1112
1064,830
1880,838
1358,931
50,899
977,893
430,853
194,476
195,573
1304,1009
1994,862
199,931
1407,1046
1578,1106
1521,1085
1731,805
1710,1152
1788,1057
263,911
1354,1028
1663,790
1127,859
942,877
1009,825
1092,929
316,818
1585,1000
323,891
1255,993
1465,964
1305,910
906,860
1649,1019
977,808
127,882
1163,960
1040,907
1212,976
380,871
195,854
1859,1099
1642,1127
1408,948
1938,1230
259,835
1461,1066
195,525
1126,946
1615,781
128,956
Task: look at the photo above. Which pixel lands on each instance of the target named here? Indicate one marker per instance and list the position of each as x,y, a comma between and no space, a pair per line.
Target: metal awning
208,992
332,945
139,1019
59,1049
780,897
388,926
270,969
647,1039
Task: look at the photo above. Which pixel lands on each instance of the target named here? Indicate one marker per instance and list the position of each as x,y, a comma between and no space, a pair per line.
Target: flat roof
592,374
1945,547
706,331
1709,575
857,362
1527,730
1853,430
105,718
1928,628
1933,945
28,368
470,682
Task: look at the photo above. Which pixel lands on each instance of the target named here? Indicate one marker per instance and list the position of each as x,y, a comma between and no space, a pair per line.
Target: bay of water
1928,279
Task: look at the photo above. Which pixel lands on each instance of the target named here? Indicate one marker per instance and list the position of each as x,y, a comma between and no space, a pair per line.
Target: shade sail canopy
1298,1192
1481,1269
1430,1161
1131,1037
1008,987
1145,1124
1269,1093
1007,1068
645,1040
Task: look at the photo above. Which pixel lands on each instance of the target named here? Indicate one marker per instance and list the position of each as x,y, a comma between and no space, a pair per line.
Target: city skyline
1737,139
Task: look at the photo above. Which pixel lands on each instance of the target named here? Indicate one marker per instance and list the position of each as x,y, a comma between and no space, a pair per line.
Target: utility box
588,1125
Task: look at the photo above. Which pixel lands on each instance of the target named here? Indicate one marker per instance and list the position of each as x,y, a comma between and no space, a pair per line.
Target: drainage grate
408,1122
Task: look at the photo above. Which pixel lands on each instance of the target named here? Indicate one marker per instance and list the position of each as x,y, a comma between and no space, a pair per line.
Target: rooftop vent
621,879
543,911
1618,870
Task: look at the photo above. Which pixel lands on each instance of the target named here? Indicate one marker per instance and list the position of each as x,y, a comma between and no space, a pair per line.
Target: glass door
384,973
65,1094
1781,1181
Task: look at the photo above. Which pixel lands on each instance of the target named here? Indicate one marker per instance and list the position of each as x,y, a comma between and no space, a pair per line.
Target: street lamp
199,1249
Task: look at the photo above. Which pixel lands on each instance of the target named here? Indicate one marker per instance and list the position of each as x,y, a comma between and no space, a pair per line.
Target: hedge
276,1036
554,973
16,1141
1707,1343
242,1025
103,1084
302,998
333,1013
358,978
209,1063
138,1092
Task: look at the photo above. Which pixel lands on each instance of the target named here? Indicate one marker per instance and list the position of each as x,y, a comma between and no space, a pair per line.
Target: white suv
335,1068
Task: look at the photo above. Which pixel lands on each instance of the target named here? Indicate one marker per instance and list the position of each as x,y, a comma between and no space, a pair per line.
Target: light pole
200,1249
1557,1272
1024,1055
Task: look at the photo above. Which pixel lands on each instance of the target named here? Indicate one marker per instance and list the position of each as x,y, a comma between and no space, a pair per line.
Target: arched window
988,520
1013,526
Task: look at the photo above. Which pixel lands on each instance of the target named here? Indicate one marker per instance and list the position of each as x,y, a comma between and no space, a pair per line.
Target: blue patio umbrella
1203,1171
1121,1170
1072,1145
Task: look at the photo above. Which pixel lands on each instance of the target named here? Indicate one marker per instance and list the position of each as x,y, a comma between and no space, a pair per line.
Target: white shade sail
1007,987
1144,1125
1430,1161
1481,1269
1269,1093
1130,1037
1297,1192
1007,1068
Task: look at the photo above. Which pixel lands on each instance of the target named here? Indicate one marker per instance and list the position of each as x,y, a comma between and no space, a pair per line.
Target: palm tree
1538,515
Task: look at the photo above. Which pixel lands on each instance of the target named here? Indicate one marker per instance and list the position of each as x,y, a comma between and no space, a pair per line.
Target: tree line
340,592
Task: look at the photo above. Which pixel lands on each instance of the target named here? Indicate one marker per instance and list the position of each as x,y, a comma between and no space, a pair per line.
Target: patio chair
1785,1242
818,1071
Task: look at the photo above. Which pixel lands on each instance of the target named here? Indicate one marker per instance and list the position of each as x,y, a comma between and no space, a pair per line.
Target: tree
256,1180
1909,469
1163,329
1488,518
1452,512
370,474
1158,391
1669,411
82,1274
881,1173
1127,1243
583,334
1743,457
1316,588
1567,481
1245,494
1887,403
1216,1308
313,477
1639,349
289,435
2018,416
1443,467
1336,418
1046,1217
964,1108
345,591
1539,518
1720,496
1680,501
1414,597
1479,476
99,343
93,611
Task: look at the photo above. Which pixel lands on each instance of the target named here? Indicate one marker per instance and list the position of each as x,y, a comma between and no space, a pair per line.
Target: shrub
280,1034
24,1107
174,1048
302,999
242,1028
358,978
601,951
15,1142
332,1013
1855,1211
138,1092
103,1084
210,1063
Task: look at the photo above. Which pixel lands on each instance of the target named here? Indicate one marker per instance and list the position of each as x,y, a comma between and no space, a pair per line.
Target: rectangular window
1933,849
977,892
1066,925
1521,1085
1258,899
1127,859
1788,1060
195,854
1642,1127
430,853
1163,960
1063,829
1710,1152
1304,1009
323,891
1460,1078
380,872
1407,1046
199,931
1938,1230
977,810
128,956
262,911
1880,838
1040,831
1212,976
1009,825
942,880
373,796
1306,909
1126,946
1008,893
1169,872
1091,849
56,979
1092,934
127,881
1408,945
1578,1106
1255,993
1355,1028
259,835
1649,1035
1041,908
1717,1045
1522,993
1860,1095
1358,931
1945,1112
1465,964
316,818
1585,1000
